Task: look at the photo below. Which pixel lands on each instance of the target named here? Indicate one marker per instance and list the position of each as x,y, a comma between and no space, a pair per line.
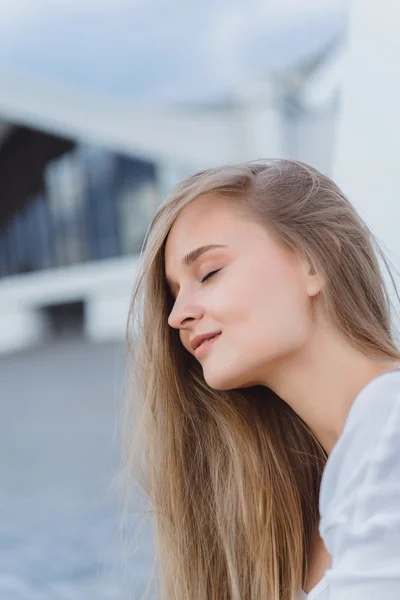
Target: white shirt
359,499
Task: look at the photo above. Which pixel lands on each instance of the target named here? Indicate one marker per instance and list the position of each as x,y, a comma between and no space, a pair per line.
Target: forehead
206,220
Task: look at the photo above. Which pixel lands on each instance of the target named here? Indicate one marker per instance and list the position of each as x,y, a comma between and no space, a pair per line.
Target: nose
183,314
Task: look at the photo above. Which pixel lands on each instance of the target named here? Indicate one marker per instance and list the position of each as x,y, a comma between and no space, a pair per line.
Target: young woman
269,430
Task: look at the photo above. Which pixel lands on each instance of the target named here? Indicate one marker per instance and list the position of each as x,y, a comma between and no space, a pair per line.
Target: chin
225,381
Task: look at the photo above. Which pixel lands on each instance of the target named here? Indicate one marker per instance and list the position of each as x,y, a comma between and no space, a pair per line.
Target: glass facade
95,204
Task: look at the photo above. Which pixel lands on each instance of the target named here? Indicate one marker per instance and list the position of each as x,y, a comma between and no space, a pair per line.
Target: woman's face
246,288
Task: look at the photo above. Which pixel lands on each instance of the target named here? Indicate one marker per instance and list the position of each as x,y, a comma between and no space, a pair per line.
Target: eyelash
210,274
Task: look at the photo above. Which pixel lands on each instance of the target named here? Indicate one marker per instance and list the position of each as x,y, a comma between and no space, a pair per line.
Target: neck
321,381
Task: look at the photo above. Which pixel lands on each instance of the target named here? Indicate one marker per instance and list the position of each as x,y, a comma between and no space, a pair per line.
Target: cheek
270,307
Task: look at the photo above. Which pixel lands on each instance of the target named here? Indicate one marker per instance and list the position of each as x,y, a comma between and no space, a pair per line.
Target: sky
163,49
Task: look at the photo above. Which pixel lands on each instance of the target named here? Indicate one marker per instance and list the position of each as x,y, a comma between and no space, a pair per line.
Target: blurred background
104,105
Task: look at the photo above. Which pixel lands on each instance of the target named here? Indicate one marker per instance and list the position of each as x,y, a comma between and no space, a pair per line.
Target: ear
314,281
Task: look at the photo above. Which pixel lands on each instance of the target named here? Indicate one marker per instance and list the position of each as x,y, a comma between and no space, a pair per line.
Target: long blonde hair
233,476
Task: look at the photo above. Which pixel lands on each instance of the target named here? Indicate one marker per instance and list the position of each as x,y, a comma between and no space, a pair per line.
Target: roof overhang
196,138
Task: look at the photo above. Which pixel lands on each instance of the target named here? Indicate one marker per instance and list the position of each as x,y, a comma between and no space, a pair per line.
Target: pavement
60,503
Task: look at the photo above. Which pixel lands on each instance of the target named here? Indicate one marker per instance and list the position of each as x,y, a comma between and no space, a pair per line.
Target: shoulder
374,404
369,442
360,497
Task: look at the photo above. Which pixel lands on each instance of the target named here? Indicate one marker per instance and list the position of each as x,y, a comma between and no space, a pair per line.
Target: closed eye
210,274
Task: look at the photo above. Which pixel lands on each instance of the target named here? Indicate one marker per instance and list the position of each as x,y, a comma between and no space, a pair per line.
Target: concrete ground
59,465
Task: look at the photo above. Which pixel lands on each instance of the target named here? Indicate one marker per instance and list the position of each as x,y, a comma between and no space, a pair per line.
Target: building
81,175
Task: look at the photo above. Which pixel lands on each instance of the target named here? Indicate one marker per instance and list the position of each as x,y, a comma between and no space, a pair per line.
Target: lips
207,340
198,340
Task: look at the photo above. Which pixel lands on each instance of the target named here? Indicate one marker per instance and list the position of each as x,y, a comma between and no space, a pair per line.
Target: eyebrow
193,255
